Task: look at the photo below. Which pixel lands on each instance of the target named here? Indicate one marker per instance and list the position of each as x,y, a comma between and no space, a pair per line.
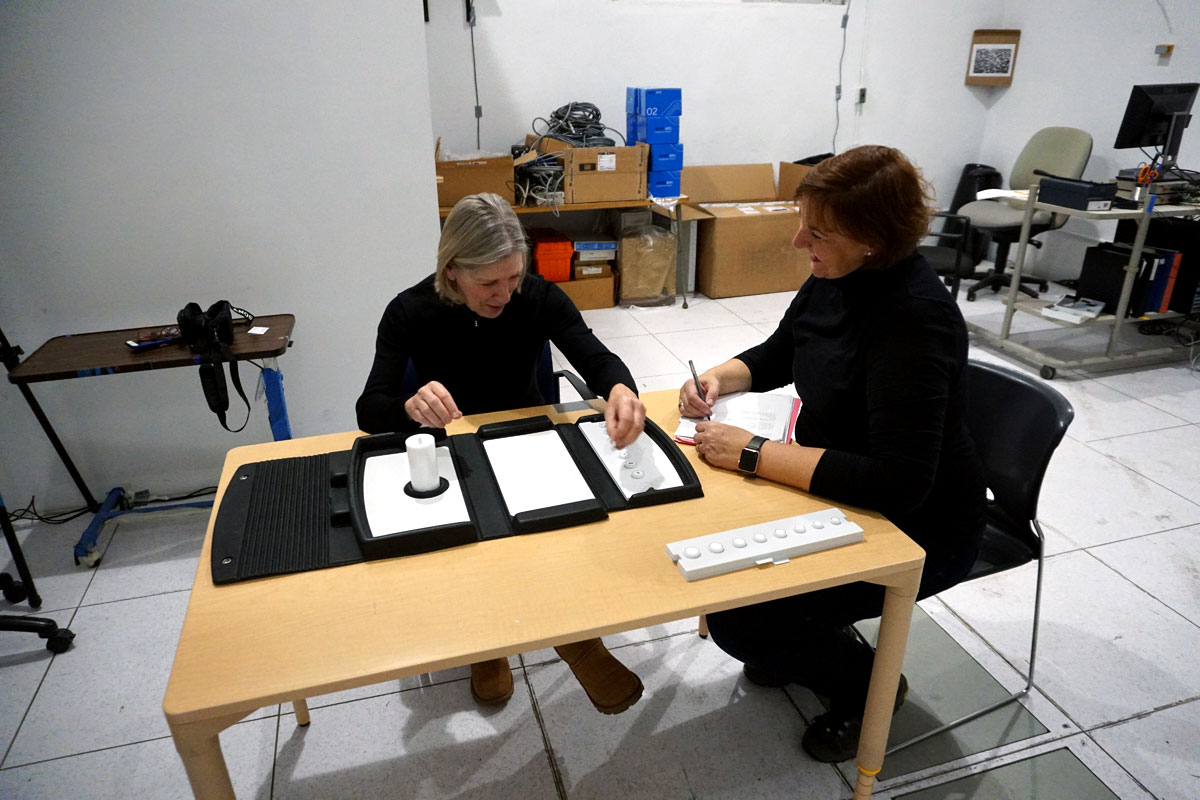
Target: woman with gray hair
474,332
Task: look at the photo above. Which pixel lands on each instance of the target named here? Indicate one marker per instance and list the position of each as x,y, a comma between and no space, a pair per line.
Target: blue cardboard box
665,157
657,130
663,183
659,102
653,102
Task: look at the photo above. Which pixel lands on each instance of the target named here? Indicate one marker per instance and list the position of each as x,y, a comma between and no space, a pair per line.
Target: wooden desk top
249,644
82,355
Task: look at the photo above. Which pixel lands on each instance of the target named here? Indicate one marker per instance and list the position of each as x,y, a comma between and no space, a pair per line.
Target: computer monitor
1155,116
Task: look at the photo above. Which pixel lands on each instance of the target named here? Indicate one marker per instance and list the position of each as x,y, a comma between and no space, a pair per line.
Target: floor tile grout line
1142,589
50,664
1137,782
275,751
1123,465
560,786
1023,674
1143,714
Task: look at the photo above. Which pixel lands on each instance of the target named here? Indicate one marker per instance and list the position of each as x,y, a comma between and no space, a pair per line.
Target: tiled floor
1116,711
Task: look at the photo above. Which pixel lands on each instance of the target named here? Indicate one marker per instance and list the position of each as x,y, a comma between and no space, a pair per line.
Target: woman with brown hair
877,350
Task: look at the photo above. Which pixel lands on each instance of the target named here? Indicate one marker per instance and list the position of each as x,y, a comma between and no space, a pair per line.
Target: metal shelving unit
1050,364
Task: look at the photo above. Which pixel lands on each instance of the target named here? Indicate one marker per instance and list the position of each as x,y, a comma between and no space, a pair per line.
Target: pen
696,378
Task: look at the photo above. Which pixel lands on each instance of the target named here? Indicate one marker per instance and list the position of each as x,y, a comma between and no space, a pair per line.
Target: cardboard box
662,184
457,179
745,229
658,130
597,174
666,157
588,270
654,102
591,293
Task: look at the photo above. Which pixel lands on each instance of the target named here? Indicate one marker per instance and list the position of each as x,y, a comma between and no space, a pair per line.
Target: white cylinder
422,462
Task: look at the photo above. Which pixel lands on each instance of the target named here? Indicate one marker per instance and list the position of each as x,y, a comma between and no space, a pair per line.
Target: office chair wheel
14,591
970,297
1048,372
59,641
1043,287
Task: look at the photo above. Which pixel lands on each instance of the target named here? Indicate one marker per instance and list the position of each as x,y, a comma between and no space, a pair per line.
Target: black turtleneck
485,364
878,358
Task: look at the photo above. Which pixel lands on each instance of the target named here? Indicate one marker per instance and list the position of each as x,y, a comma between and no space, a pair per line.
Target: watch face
749,459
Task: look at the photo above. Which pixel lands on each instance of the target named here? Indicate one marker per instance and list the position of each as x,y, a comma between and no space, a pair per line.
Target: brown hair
873,195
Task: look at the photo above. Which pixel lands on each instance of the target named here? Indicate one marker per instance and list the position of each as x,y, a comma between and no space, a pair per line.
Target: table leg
885,678
200,750
300,706
281,426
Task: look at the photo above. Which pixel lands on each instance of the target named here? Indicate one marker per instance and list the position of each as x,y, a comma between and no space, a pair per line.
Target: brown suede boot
491,681
609,684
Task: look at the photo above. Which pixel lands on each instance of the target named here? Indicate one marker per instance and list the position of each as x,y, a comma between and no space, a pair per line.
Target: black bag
209,334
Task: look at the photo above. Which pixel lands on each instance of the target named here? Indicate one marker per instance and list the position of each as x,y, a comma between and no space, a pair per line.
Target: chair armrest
576,383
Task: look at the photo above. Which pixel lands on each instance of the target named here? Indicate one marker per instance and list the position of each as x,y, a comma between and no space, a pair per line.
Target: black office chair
950,256
1063,152
58,640
1017,422
546,377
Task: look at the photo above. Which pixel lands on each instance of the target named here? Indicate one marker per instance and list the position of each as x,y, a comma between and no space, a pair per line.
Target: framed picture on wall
993,57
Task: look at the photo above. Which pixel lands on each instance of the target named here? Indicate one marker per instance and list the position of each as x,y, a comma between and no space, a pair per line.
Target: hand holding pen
693,400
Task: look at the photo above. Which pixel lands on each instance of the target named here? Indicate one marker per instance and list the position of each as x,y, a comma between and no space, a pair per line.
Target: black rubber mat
274,519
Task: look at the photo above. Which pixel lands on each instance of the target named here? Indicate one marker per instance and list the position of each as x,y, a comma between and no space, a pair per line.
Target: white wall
277,155
273,154
758,79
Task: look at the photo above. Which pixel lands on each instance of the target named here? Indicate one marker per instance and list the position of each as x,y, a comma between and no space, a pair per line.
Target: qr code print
992,61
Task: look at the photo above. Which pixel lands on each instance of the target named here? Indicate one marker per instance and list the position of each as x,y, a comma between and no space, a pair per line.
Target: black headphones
209,334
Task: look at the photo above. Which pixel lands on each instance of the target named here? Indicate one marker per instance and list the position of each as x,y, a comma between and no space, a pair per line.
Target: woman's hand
432,406
691,404
720,444
624,415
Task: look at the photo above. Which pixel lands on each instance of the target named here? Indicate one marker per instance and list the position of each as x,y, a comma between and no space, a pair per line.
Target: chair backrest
547,382
1060,151
1016,421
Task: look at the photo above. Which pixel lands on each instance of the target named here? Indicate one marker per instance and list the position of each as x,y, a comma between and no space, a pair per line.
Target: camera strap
212,379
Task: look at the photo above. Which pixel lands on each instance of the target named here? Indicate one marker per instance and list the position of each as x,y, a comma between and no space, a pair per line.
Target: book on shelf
1073,308
769,415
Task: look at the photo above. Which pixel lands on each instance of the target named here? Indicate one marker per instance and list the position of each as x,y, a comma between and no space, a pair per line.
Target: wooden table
247,645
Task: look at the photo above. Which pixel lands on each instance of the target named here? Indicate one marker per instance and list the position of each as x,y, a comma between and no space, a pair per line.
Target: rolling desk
85,355
281,639
1049,364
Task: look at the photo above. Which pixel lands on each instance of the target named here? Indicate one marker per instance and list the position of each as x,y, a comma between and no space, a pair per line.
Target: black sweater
878,358
485,364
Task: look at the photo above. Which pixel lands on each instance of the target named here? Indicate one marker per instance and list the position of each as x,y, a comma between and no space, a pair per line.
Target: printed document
769,415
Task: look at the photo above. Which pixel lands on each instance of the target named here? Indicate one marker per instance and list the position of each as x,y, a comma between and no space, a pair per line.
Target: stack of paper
1071,308
769,415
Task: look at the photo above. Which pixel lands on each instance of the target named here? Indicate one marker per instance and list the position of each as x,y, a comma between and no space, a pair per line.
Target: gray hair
480,230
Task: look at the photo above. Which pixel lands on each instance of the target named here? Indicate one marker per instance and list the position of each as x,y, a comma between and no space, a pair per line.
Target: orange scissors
1147,173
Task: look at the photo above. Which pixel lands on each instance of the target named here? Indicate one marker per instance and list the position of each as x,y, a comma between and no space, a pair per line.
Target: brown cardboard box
598,174
591,293
745,229
583,271
457,179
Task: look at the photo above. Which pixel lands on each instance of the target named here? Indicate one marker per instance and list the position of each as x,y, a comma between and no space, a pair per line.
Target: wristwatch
748,462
